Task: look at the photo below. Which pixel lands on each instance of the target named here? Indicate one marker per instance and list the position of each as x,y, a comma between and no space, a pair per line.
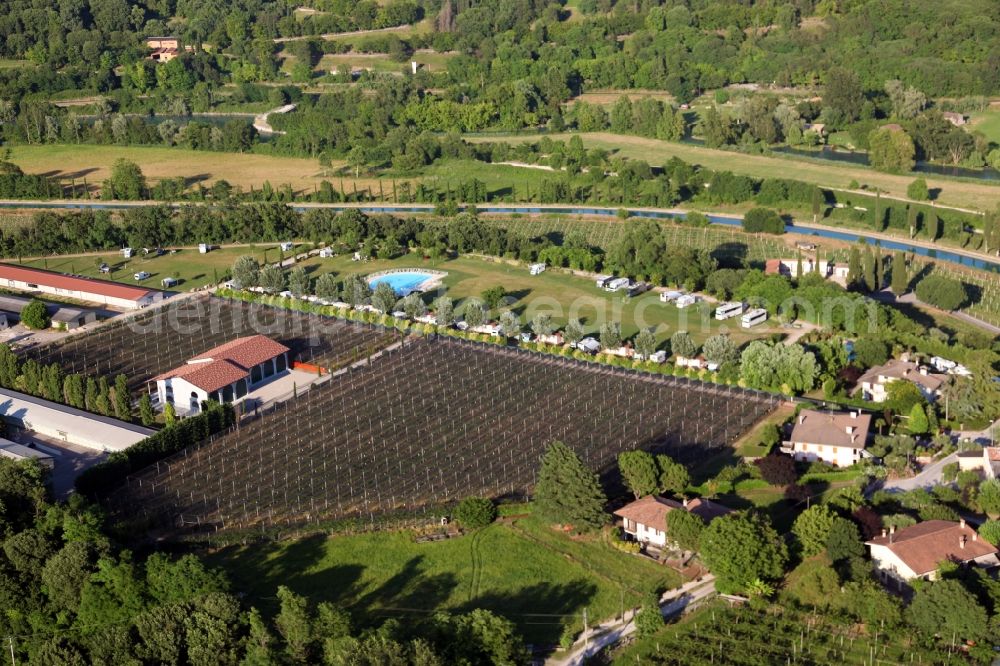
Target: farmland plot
163,338
426,425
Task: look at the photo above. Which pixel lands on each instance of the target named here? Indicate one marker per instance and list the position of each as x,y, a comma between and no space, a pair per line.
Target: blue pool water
403,282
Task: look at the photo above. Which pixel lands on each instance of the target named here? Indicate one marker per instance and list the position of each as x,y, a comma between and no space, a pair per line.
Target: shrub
763,220
990,530
777,469
475,512
35,315
918,190
942,292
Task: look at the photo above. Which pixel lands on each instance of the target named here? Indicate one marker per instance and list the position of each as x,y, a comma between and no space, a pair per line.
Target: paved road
909,297
929,477
674,602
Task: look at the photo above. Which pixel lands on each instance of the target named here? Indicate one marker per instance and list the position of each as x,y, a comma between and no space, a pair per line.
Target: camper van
728,310
754,317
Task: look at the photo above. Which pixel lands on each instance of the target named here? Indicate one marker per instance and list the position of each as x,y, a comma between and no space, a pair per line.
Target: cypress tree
123,401
90,395
103,402
900,279
911,220
933,225
868,270
854,268
568,492
146,413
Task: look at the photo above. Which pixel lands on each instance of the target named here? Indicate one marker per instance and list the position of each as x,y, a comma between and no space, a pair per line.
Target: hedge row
104,477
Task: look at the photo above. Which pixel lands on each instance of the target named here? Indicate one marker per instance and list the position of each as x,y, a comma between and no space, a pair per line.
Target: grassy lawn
980,195
987,122
560,294
381,62
187,265
94,163
540,579
749,445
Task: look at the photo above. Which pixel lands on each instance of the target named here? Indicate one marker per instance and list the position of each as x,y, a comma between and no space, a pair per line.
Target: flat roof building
62,422
62,315
76,287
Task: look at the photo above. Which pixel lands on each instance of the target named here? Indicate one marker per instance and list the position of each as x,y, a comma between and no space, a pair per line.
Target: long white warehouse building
68,424
103,292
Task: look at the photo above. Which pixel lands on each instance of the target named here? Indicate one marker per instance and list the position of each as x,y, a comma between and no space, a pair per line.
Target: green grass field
558,293
987,122
192,269
540,579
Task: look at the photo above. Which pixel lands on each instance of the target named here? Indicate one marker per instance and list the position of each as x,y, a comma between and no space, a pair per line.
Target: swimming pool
405,282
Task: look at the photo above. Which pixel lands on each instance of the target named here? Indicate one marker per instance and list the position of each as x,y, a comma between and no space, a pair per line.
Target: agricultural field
78,162
980,195
748,636
539,578
155,341
424,426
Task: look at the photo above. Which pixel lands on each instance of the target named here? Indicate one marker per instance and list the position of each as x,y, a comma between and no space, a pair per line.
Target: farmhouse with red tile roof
917,551
646,519
224,374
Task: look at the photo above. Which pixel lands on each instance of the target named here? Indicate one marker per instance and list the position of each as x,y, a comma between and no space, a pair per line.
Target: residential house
790,268
645,520
873,385
226,373
838,438
985,460
917,551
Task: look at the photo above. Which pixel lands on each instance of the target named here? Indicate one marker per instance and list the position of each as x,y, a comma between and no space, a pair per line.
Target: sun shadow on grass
541,610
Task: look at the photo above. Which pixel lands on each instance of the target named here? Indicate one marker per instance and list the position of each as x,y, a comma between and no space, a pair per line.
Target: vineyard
163,338
725,242
425,425
759,637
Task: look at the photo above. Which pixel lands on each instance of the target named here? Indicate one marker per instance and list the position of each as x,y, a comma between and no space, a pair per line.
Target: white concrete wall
68,424
646,534
182,390
887,563
840,456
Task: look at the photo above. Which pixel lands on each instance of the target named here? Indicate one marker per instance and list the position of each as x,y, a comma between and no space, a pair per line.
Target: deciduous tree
639,471
740,548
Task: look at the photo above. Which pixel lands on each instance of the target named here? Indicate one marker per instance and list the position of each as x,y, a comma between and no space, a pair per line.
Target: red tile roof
227,363
923,546
652,511
70,282
247,352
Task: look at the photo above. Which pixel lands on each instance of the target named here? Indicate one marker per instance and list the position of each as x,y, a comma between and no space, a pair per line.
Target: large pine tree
568,492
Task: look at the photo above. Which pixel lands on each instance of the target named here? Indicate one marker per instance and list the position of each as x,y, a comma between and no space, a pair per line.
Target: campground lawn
540,579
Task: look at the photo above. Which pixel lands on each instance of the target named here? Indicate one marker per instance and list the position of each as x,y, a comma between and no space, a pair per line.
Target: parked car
141,275
104,268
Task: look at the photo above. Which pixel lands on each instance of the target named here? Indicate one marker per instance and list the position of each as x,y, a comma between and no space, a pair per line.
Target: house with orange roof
645,520
224,374
919,550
